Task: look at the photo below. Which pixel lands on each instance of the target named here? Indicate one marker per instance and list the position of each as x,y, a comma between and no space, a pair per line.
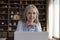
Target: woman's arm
19,26
38,27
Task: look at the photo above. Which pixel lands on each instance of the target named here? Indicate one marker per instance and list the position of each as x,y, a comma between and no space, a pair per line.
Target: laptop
30,35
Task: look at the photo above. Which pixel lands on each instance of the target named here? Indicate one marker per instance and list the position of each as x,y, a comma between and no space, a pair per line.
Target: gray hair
27,8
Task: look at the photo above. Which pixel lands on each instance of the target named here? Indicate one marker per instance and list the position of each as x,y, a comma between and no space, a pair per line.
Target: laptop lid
30,35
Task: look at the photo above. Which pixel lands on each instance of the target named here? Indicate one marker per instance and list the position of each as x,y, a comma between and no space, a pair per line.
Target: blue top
21,27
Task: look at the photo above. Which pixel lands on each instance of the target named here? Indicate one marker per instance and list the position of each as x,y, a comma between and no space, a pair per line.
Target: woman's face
31,14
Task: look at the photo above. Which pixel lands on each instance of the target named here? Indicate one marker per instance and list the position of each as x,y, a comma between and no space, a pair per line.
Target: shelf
4,19
15,0
13,19
35,4
3,3
3,25
3,13
14,14
14,3
4,31
12,31
38,8
9,9
14,7
29,0
13,26
3,8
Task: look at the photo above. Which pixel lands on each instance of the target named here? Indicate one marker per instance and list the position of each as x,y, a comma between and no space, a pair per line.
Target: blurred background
11,11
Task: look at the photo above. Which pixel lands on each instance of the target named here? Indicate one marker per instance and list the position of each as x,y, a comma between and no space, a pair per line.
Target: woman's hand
30,24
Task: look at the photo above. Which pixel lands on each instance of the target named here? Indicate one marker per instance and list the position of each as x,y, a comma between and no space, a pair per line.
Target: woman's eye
33,12
29,13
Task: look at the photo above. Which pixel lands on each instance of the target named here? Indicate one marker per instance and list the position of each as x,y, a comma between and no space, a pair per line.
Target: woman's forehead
31,10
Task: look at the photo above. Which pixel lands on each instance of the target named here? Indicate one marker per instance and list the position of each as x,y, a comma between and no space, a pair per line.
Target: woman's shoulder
20,22
38,23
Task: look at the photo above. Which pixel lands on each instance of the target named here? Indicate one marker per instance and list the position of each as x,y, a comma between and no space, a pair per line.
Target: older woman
30,22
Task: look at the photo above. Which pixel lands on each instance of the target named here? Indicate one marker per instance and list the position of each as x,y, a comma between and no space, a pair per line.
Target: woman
30,22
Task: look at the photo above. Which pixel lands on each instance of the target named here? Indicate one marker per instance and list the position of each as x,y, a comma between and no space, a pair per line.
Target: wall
53,18
56,18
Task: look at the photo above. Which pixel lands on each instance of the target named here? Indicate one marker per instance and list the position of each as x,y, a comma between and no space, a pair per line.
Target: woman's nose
31,15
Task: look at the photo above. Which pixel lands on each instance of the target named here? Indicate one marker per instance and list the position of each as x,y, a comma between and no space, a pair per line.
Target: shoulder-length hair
25,12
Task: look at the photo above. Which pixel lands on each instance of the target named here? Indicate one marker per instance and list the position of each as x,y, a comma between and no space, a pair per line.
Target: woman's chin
31,21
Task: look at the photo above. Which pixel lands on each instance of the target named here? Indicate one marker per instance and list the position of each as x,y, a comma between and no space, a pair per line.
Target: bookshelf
11,12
